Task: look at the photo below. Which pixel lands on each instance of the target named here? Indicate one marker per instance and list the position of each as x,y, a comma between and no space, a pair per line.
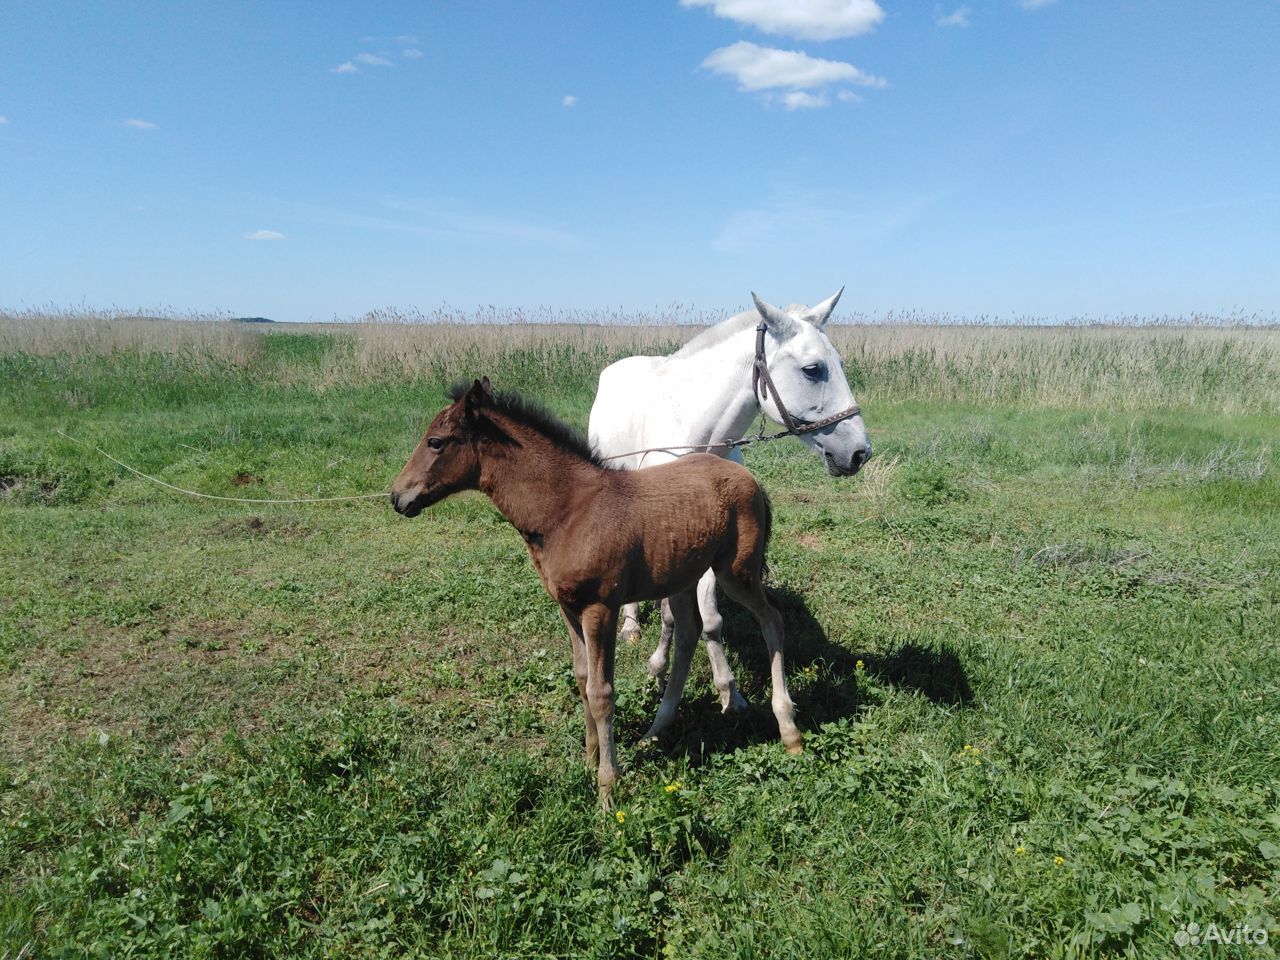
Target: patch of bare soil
123,685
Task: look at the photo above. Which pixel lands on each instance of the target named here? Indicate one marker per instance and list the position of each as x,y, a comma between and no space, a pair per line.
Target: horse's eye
814,371
435,443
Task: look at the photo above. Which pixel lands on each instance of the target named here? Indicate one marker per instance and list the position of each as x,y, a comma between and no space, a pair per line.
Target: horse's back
619,416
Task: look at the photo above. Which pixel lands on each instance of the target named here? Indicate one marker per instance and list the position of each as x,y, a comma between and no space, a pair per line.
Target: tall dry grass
1229,370
86,332
1224,369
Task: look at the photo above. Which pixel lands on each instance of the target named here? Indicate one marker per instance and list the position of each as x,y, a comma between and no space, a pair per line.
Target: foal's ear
476,397
487,387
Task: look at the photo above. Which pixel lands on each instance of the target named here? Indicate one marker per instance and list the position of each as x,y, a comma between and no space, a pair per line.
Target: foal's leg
684,612
712,625
630,622
747,589
580,674
599,634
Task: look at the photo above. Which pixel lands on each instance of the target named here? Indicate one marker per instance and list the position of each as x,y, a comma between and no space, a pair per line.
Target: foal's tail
768,532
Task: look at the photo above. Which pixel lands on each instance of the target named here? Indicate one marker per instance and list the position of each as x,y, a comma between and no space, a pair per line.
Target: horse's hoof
732,701
651,737
795,749
630,634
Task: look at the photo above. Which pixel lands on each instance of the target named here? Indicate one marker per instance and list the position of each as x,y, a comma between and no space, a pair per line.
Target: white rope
211,496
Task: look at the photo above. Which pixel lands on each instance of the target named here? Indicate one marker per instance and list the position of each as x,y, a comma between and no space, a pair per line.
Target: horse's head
809,375
447,459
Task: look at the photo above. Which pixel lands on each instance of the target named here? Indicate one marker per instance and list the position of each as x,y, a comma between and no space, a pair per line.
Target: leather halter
794,425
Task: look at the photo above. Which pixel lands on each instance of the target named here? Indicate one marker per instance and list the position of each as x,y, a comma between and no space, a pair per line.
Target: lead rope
210,496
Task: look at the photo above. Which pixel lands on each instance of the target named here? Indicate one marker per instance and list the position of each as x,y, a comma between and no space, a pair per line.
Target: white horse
650,410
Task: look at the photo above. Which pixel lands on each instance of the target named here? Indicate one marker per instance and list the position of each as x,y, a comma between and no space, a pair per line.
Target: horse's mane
722,331
538,418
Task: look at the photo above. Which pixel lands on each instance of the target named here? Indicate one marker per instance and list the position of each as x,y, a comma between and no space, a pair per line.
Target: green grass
1033,648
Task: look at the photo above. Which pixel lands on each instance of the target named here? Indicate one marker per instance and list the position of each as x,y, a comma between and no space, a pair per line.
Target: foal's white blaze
703,394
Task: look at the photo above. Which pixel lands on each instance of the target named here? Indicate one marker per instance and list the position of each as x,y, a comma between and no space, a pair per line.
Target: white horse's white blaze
702,394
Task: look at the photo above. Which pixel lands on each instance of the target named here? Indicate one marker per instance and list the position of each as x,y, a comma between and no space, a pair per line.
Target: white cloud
569,101
140,124
1033,4
264,235
848,96
764,68
805,19
373,60
347,67
407,41
3,121
959,18
800,100
413,53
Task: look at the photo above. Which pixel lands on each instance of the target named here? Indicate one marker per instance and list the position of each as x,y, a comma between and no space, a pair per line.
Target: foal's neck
531,482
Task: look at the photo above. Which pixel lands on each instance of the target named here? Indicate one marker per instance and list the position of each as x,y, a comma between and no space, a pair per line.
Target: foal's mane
539,419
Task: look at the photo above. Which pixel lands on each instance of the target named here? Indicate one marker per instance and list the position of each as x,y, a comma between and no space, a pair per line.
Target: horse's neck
531,483
717,382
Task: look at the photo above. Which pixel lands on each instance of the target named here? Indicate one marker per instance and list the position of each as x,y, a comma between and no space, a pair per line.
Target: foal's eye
814,371
435,443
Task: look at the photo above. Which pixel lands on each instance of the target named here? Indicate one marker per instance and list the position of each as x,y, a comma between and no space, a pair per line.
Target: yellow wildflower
859,666
621,816
672,787
1059,861
1021,851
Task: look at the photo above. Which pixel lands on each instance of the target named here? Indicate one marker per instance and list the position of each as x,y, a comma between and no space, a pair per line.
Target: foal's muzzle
408,505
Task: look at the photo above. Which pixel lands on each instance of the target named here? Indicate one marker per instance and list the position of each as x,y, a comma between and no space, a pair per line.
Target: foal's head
447,459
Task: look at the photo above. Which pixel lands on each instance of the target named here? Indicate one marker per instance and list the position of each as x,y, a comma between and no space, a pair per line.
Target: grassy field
1033,646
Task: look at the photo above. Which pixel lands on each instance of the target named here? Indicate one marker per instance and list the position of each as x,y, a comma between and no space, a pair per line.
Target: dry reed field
1221,368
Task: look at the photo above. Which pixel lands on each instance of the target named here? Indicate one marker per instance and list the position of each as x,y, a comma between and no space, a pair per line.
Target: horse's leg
658,659
712,626
630,622
745,587
684,612
599,634
580,673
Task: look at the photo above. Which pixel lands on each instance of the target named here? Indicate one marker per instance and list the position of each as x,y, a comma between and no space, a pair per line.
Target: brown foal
600,538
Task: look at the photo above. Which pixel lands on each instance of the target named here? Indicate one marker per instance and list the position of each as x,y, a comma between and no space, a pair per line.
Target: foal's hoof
630,633
795,749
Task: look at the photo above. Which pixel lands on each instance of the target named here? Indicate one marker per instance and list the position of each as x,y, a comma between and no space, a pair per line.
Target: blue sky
311,160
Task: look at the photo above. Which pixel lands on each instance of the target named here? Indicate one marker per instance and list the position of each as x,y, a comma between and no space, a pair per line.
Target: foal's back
656,530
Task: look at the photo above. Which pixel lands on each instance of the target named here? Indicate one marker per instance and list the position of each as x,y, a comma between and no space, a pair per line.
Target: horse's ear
476,397
487,387
820,314
780,324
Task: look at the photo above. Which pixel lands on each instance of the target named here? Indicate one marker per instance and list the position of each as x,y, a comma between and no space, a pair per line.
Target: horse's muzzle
856,462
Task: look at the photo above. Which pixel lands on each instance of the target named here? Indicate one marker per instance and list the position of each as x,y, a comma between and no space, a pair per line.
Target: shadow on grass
830,691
